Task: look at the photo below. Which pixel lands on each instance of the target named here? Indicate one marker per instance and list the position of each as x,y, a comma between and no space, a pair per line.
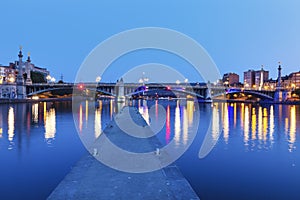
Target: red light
168,88
80,86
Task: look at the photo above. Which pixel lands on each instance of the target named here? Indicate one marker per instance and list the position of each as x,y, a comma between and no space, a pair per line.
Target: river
255,154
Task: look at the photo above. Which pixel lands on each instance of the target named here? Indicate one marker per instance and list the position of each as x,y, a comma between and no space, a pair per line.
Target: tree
37,77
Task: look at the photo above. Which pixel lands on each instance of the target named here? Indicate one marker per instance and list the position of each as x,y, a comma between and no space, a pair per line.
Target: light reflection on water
29,133
255,144
245,129
98,126
11,124
259,125
50,125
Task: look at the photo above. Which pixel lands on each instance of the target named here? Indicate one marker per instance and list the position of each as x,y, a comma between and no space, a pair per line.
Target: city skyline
141,74
237,35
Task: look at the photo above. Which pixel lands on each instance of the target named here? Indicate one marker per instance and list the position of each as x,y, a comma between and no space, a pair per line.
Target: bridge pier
120,95
208,91
21,91
281,95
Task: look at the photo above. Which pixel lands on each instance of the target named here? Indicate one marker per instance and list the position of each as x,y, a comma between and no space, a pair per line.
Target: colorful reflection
242,115
50,125
80,118
111,109
190,107
98,126
246,127
292,132
259,125
168,125
11,124
185,124
253,124
35,113
272,125
260,121
225,122
177,124
86,110
215,127
144,111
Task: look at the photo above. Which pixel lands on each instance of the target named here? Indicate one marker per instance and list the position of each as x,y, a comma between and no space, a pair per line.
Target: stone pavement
90,179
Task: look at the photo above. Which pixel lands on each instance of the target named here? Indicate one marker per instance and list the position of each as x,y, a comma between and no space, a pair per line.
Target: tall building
255,79
231,79
249,79
261,76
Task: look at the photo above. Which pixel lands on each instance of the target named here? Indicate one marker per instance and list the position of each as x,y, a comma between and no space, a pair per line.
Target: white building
15,77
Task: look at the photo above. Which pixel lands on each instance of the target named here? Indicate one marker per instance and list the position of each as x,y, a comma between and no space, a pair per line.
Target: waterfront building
15,77
294,80
249,79
260,77
24,71
255,79
2,74
270,84
231,79
8,74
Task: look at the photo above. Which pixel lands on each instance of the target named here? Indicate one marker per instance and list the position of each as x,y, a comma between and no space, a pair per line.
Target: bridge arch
165,92
253,93
66,90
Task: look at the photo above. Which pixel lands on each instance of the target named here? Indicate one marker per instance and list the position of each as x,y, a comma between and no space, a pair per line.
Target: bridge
201,91
250,94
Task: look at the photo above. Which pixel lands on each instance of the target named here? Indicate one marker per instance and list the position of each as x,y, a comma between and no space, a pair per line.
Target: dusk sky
238,35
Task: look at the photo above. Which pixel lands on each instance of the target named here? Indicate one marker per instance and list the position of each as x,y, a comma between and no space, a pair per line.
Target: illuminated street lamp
177,82
48,78
144,79
293,85
98,79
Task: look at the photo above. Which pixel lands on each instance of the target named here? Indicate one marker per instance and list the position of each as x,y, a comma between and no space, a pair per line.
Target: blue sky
238,35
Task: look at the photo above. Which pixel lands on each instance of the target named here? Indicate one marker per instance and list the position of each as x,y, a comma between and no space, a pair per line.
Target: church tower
20,78
21,88
28,67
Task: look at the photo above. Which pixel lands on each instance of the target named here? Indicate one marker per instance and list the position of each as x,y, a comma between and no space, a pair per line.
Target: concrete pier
90,179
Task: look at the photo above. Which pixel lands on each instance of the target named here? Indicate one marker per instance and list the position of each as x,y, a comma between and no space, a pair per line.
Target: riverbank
91,179
7,101
256,102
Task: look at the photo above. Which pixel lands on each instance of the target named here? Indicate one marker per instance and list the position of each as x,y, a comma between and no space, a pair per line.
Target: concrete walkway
90,179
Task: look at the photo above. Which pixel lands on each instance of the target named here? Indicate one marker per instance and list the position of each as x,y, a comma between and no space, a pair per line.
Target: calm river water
255,155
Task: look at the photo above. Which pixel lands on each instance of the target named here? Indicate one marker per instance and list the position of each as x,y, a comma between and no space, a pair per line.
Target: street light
48,78
98,79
